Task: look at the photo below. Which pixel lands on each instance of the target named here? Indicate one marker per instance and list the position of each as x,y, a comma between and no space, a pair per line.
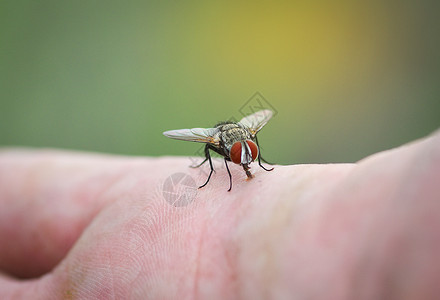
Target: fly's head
243,153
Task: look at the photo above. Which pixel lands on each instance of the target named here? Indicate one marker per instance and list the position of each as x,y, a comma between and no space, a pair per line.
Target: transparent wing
256,121
201,135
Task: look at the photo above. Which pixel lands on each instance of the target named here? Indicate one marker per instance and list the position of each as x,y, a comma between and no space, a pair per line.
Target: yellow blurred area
307,45
298,42
346,79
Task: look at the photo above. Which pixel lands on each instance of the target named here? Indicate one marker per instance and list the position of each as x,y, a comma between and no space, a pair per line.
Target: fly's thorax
231,133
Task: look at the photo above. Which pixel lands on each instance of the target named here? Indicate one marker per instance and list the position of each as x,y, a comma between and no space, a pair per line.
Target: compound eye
254,149
235,153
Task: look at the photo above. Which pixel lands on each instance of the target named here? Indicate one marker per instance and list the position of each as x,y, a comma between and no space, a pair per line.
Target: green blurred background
347,79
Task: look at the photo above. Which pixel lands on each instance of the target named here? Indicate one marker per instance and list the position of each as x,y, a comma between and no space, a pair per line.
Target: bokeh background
347,79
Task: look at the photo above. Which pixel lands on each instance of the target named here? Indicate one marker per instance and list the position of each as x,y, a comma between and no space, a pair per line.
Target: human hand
93,226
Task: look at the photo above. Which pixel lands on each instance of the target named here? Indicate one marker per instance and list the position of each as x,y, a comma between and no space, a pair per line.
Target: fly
236,142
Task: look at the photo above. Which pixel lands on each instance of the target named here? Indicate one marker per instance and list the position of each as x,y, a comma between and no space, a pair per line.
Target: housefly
236,142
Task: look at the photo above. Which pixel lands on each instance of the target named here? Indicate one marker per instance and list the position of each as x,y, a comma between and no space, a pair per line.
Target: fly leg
260,158
230,176
259,163
208,157
199,164
265,161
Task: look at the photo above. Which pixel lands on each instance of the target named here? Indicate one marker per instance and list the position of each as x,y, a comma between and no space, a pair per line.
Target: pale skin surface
94,226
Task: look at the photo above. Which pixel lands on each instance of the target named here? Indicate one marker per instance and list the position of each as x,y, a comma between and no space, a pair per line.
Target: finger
142,243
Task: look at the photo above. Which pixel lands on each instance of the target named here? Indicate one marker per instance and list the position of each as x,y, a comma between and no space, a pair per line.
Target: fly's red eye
235,153
254,149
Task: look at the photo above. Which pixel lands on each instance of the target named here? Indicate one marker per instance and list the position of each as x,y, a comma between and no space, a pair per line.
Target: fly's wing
201,135
256,121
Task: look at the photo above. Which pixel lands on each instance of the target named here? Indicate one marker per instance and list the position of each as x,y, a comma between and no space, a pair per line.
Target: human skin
91,226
